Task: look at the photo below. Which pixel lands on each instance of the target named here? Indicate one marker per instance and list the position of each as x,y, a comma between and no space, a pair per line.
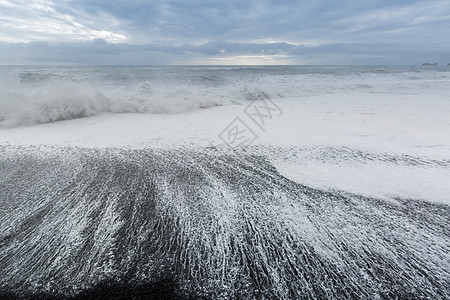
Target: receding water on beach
134,182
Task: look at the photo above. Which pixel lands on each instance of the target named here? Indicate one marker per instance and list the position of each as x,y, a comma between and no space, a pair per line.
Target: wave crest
65,100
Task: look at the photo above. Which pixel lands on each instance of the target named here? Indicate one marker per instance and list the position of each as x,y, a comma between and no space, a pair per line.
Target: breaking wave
34,95
65,100
61,100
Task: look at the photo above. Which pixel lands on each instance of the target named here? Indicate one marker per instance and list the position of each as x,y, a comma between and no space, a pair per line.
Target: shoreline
216,224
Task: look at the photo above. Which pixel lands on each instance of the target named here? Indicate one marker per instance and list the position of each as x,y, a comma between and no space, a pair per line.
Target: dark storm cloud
293,21
315,31
101,52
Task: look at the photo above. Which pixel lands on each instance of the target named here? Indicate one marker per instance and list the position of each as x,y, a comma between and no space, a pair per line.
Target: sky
232,32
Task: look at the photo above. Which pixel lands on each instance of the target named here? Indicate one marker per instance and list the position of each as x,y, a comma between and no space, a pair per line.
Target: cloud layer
283,31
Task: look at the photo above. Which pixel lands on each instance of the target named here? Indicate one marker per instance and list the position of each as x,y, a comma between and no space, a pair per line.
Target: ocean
225,182
34,95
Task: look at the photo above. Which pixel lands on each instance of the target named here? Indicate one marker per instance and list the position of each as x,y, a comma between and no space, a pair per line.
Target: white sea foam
222,224
40,95
64,100
379,112
345,175
378,175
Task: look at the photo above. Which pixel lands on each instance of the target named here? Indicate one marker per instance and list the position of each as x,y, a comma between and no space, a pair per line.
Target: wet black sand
188,224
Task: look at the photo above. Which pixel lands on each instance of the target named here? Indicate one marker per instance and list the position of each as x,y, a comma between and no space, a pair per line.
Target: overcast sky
224,32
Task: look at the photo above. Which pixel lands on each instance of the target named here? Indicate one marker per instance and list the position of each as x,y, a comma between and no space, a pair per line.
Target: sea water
34,95
124,182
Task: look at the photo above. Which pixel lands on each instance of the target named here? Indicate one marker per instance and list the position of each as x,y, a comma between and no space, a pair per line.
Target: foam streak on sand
218,224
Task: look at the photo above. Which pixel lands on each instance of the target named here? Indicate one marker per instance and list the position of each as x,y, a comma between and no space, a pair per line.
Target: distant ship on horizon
429,64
